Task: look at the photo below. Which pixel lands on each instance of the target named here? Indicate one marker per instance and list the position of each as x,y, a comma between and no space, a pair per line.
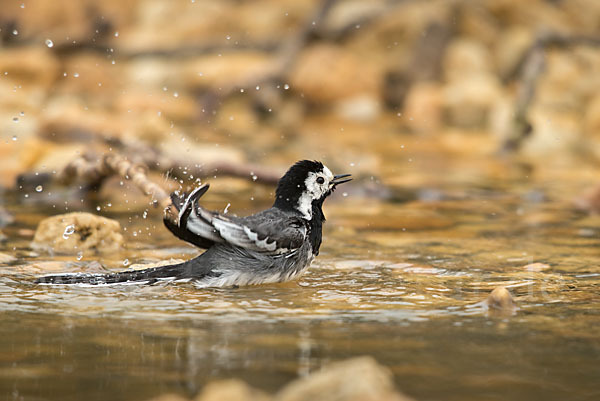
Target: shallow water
401,280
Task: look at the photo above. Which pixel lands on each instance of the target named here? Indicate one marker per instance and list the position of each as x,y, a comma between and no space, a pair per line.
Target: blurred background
365,86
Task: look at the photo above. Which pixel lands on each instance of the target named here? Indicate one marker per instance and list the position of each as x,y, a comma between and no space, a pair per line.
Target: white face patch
314,190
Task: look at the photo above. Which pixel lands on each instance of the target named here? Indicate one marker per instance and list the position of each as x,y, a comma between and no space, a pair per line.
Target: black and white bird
275,245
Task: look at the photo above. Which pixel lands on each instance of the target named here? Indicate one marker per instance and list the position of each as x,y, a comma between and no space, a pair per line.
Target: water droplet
286,87
176,94
49,43
76,75
22,113
39,188
79,255
226,208
14,138
145,215
117,34
242,90
228,37
109,204
257,87
113,62
126,262
15,32
69,230
344,194
22,5
230,118
15,119
98,208
254,178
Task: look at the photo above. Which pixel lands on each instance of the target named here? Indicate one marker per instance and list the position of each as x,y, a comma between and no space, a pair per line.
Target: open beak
340,179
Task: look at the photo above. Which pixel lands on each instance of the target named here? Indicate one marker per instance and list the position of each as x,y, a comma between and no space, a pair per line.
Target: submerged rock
357,379
75,232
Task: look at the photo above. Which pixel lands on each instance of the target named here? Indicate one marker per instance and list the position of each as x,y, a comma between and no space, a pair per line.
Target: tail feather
147,276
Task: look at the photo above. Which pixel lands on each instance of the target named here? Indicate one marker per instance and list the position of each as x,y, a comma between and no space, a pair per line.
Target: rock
357,379
536,267
423,107
360,108
327,73
500,303
591,120
169,397
6,258
239,68
231,390
465,58
468,102
74,232
35,66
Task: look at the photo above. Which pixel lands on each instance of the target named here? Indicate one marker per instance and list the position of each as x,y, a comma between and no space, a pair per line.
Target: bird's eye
320,180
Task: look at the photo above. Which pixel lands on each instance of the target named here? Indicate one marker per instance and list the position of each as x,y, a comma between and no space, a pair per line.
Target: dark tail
146,276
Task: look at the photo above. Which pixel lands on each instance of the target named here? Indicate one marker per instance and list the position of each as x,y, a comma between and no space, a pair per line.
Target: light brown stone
169,397
327,73
500,302
74,232
357,379
231,390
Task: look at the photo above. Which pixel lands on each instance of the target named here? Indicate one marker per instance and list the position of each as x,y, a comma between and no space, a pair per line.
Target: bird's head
306,183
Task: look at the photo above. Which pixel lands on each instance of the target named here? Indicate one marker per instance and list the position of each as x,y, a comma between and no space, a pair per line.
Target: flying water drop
69,230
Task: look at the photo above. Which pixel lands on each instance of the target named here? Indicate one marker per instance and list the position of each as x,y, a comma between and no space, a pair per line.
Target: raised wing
271,231
172,222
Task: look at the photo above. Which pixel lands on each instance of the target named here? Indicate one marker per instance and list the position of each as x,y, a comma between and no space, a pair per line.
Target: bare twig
157,161
109,164
529,68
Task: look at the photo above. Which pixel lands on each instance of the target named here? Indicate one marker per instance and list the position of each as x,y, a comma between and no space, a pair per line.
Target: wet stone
231,390
500,302
351,380
169,397
74,232
536,267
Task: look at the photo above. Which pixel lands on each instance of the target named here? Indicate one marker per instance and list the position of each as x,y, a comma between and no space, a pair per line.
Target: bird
275,245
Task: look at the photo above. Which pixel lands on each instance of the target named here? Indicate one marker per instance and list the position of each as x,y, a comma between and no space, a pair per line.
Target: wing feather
271,231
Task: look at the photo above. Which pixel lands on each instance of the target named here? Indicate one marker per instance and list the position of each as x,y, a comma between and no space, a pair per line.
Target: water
400,280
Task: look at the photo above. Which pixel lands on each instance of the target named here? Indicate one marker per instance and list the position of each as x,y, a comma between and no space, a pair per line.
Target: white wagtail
275,245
